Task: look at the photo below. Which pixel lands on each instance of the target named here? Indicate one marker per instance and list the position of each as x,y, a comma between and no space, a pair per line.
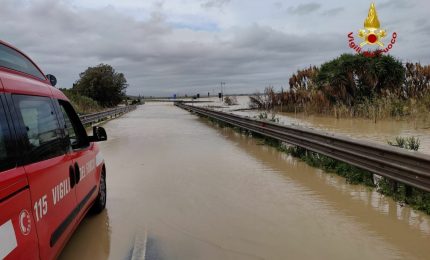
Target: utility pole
282,97
222,92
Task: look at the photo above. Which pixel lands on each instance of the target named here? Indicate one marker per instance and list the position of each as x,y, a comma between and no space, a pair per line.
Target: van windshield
11,59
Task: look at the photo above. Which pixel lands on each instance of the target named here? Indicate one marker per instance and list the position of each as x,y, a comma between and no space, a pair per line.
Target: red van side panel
58,94
13,83
55,200
18,236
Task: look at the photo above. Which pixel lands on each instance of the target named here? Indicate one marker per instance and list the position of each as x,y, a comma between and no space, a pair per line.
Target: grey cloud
304,9
396,4
272,41
214,3
421,26
157,58
278,5
333,11
154,56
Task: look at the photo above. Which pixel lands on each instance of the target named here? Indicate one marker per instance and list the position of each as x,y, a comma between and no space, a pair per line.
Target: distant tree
417,82
349,78
230,100
304,79
263,101
103,84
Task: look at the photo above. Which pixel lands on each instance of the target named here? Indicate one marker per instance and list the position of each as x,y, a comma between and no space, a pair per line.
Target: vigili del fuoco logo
372,35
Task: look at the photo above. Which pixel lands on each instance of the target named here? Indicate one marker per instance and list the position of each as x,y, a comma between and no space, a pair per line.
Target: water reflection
381,203
396,223
94,239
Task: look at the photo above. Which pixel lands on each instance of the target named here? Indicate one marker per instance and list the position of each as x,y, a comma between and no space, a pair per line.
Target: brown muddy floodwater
380,131
202,192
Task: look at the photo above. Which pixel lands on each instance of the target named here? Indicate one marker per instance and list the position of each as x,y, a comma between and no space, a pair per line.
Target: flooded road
202,192
360,128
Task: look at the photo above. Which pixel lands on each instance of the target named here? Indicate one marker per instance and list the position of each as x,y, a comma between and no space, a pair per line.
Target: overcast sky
190,46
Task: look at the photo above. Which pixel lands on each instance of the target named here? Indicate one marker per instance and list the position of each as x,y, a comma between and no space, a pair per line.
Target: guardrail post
408,191
393,186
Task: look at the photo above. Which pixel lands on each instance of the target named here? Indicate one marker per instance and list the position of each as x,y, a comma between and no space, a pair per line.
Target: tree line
354,85
97,88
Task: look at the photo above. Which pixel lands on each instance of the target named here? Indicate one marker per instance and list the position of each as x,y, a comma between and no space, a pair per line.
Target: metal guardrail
408,167
97,117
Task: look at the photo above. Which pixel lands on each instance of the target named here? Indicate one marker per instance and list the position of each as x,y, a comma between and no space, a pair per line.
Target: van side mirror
52,79
99,134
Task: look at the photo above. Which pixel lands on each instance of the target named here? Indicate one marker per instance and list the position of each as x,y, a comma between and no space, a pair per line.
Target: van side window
41,125
75,130
6,158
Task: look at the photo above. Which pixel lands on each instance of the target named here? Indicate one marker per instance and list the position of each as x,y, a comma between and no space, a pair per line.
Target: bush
355,86
410,143
82,104
102,84
416,198
265,117
230,101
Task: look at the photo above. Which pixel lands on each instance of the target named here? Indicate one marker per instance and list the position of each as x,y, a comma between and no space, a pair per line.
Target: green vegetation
98,88
417,199
410,143
82,104
265,117
102,84
403,193
354,86
136,102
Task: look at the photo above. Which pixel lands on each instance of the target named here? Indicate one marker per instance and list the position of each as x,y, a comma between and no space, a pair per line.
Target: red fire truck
51,172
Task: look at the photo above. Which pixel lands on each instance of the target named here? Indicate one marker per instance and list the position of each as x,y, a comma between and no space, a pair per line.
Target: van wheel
100,203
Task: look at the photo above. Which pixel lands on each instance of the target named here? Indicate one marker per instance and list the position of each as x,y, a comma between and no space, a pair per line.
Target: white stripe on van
99,158
7,239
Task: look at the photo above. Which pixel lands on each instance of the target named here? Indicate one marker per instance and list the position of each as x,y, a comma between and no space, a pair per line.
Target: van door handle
77,173
72,177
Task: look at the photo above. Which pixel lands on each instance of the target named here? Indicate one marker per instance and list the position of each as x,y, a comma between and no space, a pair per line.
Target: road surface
203,192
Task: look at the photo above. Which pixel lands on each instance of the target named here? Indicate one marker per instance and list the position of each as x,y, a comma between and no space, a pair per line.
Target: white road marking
7,239
139,248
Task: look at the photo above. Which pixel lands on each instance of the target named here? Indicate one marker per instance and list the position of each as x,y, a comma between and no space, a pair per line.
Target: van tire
100,202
